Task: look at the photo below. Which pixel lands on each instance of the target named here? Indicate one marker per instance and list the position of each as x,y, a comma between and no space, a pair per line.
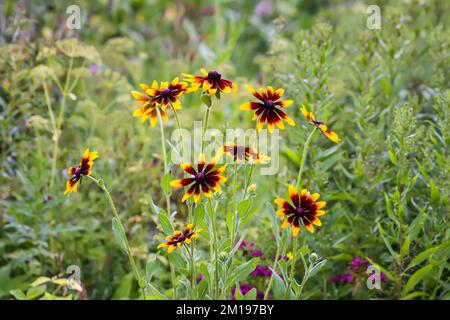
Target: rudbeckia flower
148,108
240,152
167,94
83,169
202,180
304,209
268,108
179,238
320,125
210,82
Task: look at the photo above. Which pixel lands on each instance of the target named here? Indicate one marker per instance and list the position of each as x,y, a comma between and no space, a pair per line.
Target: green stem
302,163
274,269
292,273
249,178
235,215
216,250
163,142
121,230
177,120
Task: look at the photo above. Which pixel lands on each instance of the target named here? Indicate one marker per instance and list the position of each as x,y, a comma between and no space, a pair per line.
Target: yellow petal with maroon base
153,118
162,245
177,183
315,196
316,222
286,103
285,224
320,204
279,202
295,230
319,213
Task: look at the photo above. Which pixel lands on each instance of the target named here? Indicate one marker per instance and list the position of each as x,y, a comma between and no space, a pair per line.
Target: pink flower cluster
357,267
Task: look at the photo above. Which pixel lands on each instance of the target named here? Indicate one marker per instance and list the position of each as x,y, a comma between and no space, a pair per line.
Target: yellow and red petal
188,193
320,204
285,103
316,222
309,227
333,136
206,191
181,182
162,245
285,224
188,168
319,213
280,202
314,197
293,194
197,194
295,227
153,118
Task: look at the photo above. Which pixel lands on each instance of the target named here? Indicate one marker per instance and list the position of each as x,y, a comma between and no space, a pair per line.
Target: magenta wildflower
345,278
358,265
246,244
256,253
373,277
245,288
200,278
94,69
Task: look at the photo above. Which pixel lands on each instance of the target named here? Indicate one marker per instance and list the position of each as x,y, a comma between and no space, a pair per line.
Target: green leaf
418,276
177,260
385,86
35,292
278,286
150,268
206,99
156,293
40,281
404,250
422,257
18,294
435,193
274,221
415,294
164,222
118,234
392,157
165,184
243,270
243,207
199,215
251,295
153,207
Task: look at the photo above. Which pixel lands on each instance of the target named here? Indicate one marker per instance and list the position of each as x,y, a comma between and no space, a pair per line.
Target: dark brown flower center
165,92
214,76
199,176
269,103
299,211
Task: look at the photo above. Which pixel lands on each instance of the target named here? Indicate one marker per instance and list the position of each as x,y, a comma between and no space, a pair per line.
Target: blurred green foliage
384,91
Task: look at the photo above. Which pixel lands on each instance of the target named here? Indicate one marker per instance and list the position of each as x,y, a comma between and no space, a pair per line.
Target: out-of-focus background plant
384,91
